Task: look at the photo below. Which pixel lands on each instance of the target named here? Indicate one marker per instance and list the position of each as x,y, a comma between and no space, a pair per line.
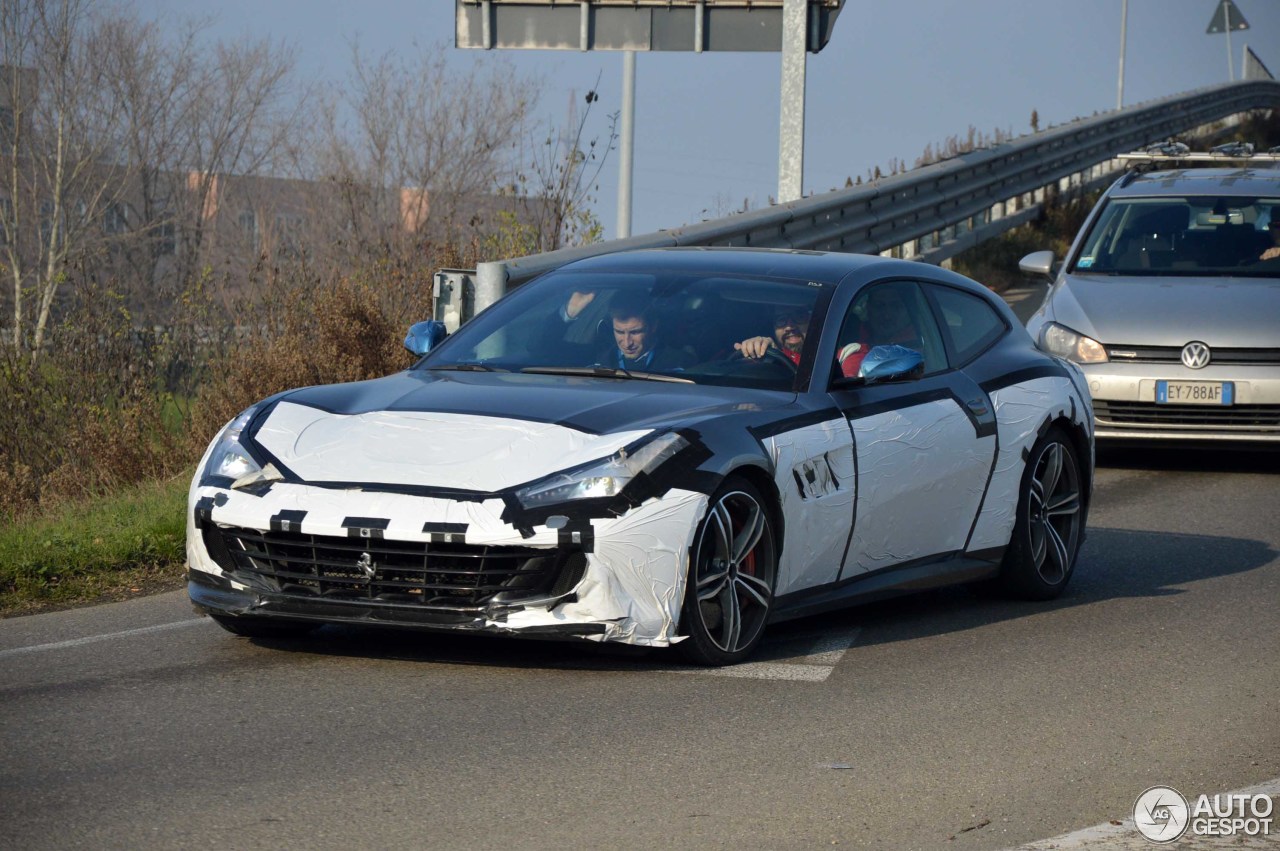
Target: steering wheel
772,356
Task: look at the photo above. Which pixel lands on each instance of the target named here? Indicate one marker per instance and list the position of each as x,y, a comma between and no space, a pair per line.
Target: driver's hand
577,302
755,347
1271,253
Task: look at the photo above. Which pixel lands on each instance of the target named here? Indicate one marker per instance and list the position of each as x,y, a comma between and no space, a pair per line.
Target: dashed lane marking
93,639
779,660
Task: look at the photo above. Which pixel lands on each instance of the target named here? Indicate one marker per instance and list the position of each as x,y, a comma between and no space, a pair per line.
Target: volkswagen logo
366,565
1195,355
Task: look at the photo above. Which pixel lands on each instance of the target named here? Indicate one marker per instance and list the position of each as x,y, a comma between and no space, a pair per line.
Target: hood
1141,311
477,431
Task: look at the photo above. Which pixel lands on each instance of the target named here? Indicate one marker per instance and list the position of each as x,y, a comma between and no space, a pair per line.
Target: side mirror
1038,263
891,363
425,336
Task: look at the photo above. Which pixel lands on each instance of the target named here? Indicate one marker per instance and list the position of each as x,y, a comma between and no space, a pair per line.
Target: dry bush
87,415
306,330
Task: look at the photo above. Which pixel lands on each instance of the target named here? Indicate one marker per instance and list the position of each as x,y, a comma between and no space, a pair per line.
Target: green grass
126,544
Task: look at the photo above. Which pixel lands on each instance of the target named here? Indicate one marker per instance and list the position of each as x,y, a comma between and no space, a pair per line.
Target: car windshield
652,326
1184,236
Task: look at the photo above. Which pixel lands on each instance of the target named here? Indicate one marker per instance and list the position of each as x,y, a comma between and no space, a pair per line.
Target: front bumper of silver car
1125,402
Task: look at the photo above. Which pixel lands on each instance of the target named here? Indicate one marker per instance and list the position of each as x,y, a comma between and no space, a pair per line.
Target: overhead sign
1226,18
643,25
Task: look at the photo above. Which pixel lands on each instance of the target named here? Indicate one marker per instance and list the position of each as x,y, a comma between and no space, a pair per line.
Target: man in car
638,347
790,326
1274,250
889,322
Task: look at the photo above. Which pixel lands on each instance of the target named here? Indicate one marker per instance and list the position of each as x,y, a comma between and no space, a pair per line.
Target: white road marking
1124,836
93,639
813,664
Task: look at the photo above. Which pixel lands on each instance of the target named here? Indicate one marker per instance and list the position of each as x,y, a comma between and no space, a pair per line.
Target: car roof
822,266
1248,182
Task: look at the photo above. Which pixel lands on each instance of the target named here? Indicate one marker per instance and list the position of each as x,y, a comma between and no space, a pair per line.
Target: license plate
1195,393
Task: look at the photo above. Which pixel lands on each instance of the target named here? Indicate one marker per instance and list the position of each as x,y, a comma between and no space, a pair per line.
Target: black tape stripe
288,521
580,536
792,423
366,527
1044,370
204,510
446,533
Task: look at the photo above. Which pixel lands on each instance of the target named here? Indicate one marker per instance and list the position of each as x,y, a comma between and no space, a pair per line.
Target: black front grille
1173,354
1235,417
439,575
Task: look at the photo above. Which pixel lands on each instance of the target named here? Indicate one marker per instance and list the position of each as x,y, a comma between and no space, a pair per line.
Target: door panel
922,471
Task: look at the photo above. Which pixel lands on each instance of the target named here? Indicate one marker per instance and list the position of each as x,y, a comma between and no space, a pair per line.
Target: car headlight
1062,341
605,478
229,458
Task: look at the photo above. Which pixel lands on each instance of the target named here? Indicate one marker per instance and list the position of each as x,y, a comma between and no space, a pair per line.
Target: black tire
1050,521
733,568
250,627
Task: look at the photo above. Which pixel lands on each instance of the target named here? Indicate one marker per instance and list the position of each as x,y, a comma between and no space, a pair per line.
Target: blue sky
895,77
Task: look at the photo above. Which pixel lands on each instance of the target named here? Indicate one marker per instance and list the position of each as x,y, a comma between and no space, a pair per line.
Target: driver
790,325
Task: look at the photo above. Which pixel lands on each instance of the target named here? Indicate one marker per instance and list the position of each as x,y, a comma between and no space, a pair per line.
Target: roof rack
1232,152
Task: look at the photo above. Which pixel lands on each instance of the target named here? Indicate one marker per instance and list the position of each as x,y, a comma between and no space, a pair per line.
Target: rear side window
968,322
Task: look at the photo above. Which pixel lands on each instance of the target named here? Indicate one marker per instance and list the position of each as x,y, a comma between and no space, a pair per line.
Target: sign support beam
795,32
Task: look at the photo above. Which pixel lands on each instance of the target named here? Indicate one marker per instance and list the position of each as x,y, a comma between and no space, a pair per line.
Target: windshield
652,326
1191,235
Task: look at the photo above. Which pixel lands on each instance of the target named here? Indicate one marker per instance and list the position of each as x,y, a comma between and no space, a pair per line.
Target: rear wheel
733,567
1046,534
262,628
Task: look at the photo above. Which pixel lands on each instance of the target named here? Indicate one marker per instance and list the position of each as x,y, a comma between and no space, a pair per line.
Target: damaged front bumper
218,595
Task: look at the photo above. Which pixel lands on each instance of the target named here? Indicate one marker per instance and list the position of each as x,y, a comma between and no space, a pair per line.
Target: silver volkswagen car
1169,300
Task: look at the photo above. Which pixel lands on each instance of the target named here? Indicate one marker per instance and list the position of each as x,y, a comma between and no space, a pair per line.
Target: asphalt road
947,719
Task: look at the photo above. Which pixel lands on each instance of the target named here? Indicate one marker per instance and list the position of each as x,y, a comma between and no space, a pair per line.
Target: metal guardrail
934,212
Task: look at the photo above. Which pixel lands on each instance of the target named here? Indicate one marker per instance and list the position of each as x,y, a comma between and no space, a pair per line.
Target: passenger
790,327
889,322
1274,250
637,343
638,347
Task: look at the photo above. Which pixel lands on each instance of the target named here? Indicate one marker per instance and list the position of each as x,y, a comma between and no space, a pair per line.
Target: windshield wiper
468,367
605,372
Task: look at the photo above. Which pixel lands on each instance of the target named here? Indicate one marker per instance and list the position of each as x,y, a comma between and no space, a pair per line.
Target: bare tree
559,179
115,136
61,164
408,146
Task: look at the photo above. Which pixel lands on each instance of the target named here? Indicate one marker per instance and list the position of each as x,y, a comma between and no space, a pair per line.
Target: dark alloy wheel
262,628
733,566
1046,535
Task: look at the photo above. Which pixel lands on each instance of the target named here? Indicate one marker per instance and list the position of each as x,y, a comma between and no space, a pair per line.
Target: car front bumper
302,553
1125,407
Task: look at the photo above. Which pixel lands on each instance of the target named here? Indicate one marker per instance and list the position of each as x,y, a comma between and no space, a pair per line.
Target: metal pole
795,31
1124,23
491,284
1231,66
626,143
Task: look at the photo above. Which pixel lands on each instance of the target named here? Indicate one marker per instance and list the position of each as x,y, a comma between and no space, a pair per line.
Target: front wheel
1046,534
733,567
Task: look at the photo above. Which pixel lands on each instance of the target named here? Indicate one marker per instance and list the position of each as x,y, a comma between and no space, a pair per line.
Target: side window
969,323
889,313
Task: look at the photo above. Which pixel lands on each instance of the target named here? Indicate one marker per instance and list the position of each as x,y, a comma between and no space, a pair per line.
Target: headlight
229,459
605,478
1062,341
